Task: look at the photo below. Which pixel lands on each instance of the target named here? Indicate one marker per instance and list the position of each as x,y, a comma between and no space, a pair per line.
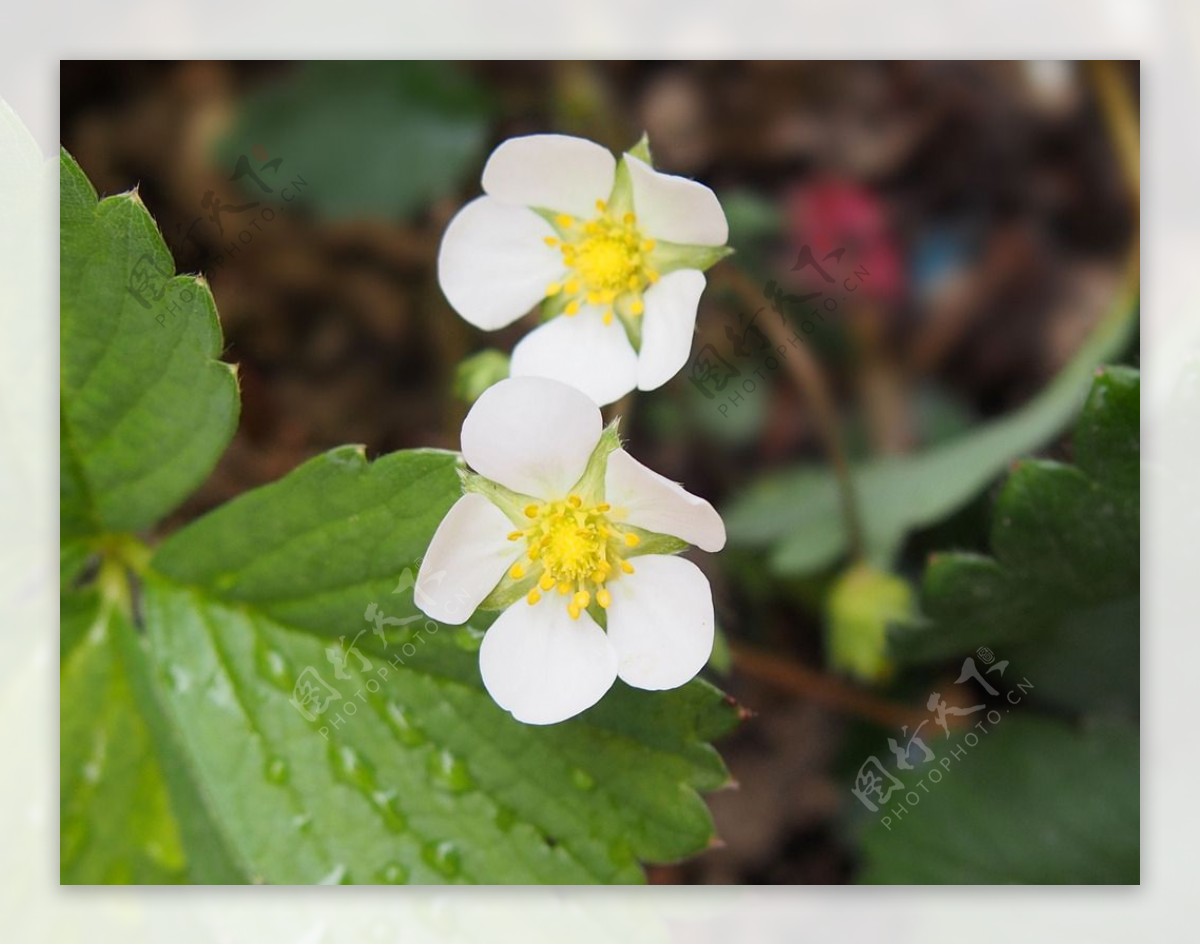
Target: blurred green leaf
146,407
378,139
796,514
477,373
1034,801
1061,595
412,773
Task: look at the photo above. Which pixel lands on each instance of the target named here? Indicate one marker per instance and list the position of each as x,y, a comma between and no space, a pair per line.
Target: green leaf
115,821
1061,595
1034,801
796,514
367,138
412,773
146,410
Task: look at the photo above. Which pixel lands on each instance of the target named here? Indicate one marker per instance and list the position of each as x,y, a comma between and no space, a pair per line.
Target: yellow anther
632,540
651,276
603,507
603,597
564,220
516,572
546,582
572,307
533,596
648,246
550,240
581,599
553,289
598,576
594,298
574,610
574,501
515,536
627,567
601,206
608,317
532,510
564,587
572,286
637,306
629,219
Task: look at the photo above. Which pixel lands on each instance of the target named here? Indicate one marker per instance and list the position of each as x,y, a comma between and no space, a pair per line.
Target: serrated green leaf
412,773
1034,801
115,821
367,138
1060,597
796,514
146,408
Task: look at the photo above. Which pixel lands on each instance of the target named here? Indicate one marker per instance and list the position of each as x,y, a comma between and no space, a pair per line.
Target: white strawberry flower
575,540
614,250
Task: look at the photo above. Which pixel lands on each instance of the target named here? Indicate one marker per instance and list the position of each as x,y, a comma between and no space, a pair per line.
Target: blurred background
947,240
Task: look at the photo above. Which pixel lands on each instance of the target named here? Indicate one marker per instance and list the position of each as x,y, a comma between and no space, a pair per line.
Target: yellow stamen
532,509
603,597
516,572
574,501
627,567
546,582
581,599
572,307
533,596
564,220
553,289
632,540
514,536
637,306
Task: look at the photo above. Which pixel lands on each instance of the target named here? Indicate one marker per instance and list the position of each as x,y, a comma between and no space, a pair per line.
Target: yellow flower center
607,259
578,548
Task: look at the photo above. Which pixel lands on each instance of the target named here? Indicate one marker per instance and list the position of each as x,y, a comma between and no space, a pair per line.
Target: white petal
544,667
660,622
531,434
551,172
467,557
675,209
667,326
655,503
582,351
494,264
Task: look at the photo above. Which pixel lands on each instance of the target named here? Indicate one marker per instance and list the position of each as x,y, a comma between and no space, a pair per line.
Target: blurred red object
830,214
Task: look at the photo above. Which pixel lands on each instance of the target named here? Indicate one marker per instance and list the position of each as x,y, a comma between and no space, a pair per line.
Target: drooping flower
575,541
614,250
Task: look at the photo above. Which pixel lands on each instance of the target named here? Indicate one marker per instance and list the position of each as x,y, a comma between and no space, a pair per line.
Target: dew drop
277,771
178,678
406,732
388,806
273,667
449,772
350,767
338,876
443,857
393,874
582,780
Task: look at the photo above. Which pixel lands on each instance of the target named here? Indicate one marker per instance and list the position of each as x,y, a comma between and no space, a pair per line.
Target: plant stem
806,372
827,691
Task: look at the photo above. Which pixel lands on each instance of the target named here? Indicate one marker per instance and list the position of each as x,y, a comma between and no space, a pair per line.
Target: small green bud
861,606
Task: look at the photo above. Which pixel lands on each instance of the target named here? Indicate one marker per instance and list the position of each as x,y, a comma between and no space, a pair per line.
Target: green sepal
511,503
669,257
